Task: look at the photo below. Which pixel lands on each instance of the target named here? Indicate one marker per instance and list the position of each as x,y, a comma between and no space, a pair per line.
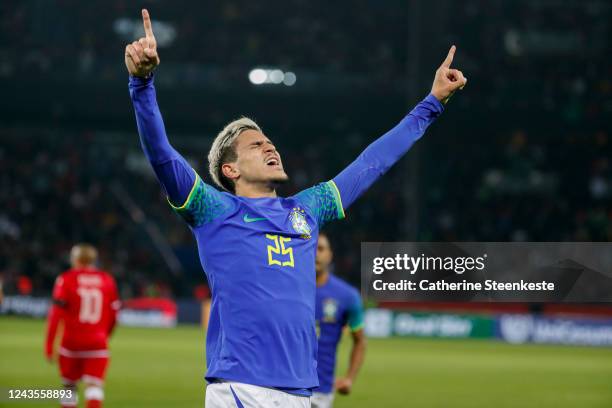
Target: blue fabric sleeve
355,313
323,202
172,170
379,156
198,202
203,204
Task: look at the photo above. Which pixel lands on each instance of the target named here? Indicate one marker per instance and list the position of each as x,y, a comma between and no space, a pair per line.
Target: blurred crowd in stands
541,175
519,185
61,194
515,186
52,36
558,49
548,55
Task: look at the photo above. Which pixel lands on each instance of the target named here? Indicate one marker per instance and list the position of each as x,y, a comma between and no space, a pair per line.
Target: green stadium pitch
164,367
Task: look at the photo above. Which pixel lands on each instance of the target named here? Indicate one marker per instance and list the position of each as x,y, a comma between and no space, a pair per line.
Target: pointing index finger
146,21
449,58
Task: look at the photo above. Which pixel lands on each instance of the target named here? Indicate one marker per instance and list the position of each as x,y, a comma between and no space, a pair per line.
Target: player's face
324,254
258,161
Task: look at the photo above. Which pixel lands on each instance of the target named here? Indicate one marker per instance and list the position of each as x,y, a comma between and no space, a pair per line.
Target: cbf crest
299,222
330,309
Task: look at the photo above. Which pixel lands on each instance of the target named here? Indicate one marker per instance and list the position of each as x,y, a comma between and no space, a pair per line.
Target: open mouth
273,161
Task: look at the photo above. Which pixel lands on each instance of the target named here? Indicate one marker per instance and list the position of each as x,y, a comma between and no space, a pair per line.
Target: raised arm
174,173
379,156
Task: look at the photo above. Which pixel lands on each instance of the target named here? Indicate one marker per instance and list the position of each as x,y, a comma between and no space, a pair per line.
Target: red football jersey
89,302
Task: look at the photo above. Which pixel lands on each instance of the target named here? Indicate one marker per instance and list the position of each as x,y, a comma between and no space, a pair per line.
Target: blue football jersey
259,256
258,253
338,304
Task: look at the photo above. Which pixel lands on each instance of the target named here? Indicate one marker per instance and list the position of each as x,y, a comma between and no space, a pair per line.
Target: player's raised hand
141,56
447,80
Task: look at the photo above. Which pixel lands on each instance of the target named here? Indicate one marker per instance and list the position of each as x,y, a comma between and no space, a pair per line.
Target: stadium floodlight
276,76
289,79
271,76
258,76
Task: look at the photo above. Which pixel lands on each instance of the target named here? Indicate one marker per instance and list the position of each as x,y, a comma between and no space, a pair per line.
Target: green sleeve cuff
338,200
189,198
356,327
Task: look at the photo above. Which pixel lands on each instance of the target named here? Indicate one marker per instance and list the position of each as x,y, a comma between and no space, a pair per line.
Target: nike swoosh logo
246,218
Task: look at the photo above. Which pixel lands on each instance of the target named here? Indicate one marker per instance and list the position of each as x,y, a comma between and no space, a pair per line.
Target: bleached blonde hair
84,254
223,150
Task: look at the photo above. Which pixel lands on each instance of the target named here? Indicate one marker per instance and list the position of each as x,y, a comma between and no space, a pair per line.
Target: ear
230,170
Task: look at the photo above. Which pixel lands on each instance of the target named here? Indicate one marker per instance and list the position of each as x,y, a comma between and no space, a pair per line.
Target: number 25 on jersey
278,254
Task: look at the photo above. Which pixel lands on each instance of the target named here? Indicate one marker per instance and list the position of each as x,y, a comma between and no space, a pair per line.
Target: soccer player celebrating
258,249
85,300
338,304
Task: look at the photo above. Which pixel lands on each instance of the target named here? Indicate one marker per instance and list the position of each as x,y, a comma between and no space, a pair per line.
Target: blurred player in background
85,300
258,249
338,305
